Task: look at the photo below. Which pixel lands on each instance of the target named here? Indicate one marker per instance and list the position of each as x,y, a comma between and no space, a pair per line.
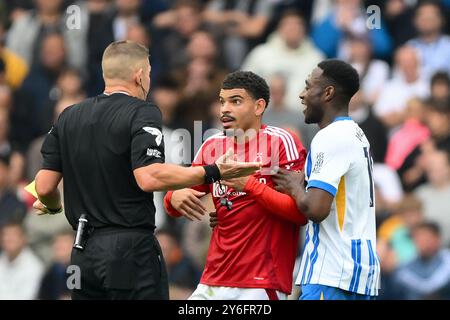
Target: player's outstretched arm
162,176
314,204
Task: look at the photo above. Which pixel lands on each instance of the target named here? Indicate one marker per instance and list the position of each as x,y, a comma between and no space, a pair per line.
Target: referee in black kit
110,151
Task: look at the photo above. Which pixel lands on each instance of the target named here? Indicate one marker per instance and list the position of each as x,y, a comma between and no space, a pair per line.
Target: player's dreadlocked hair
255,85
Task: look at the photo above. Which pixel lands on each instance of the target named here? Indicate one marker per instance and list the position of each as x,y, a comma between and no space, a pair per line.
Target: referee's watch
53,211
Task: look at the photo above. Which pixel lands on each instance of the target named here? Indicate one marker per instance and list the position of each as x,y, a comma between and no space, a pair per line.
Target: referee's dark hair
255,85
342,76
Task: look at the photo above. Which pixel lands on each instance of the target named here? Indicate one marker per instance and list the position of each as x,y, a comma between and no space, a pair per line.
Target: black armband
212,173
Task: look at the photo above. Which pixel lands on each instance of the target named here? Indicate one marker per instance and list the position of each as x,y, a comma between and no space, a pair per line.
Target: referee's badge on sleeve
155,132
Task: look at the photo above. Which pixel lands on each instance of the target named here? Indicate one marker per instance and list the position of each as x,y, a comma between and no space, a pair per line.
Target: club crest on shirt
259,157
219,191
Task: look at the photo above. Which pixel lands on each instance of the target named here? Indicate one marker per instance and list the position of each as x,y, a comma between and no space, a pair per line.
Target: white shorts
205,292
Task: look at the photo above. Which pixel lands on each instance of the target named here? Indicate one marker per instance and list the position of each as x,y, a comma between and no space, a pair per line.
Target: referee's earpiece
143,90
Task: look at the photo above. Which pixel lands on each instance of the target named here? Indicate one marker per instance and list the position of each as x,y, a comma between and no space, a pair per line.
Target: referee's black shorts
121,263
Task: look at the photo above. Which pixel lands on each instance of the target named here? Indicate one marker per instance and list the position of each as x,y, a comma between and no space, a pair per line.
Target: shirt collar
342,118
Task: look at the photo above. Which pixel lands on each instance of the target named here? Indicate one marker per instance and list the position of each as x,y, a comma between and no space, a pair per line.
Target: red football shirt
251,247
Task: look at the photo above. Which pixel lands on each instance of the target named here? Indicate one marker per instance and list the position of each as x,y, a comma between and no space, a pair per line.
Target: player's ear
330,91
260,107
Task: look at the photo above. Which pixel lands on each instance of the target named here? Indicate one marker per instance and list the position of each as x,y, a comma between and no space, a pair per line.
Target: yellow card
31,188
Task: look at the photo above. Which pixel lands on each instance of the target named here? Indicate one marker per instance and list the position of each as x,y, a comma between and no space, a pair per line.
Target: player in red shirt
253,247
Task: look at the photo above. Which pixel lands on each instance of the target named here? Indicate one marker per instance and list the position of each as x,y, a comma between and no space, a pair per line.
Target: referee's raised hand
230,168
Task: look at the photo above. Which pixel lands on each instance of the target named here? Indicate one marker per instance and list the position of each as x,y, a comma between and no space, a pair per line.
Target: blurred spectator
214,115
200,77
438,121
406,84
428,276
435,194
289,52
432,45
2,72
199,85
399,16
203,45
68,90
127,14
389,184
165,95
11,208
320,10
20,270
373,73
38,91
15,67
6,98
396,230
411,134
243,23
361,112
345,18
27,34
388,263
54,282
436,116
196,236
138,33
17,8
100,34
277,113
305,7
8,150
183,274
440,86
176,28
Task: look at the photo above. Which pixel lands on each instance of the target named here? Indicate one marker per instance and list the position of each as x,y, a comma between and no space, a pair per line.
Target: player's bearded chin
313,115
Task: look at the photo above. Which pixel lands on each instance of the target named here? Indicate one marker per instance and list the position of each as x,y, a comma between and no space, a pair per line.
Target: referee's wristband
212,173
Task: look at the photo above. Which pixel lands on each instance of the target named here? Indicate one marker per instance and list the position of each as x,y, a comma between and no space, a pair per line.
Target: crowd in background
403,107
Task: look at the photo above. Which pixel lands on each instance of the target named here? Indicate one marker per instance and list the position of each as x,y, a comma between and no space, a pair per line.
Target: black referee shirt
97,144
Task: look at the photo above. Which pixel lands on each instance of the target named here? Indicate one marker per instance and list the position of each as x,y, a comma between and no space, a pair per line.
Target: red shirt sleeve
168,206
277,203
292,156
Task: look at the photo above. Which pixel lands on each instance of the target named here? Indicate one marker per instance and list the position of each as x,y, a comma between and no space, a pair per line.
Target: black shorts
121,264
